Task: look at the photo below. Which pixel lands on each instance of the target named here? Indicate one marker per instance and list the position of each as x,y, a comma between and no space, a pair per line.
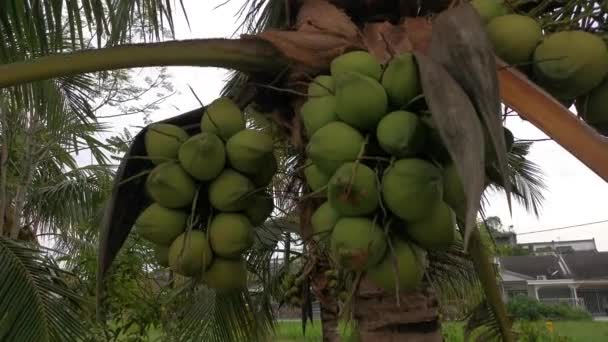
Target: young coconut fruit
160,225
400,80
323,221
357,243
593,107
317,112
190,253
264,174
247,150
230,234
410,188
490,9
161,253
453,191
223,118
170,185
401,134
353,191
203,156
360,100
569,64
411,263
315,178
260,208
162,142
322,85
226,274
333,145
514,37
231,191
361,62
437,232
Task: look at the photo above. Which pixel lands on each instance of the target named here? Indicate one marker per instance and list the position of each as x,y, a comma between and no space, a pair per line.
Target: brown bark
380,318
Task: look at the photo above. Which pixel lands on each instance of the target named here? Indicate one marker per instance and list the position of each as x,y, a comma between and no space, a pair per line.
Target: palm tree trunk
380,318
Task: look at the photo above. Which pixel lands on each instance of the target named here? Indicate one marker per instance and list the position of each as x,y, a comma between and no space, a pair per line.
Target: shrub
525,308
535,332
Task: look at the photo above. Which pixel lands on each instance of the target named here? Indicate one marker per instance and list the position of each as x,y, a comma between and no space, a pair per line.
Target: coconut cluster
571,65
208,192
374,157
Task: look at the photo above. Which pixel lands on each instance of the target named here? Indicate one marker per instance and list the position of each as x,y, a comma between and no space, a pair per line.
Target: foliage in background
522,307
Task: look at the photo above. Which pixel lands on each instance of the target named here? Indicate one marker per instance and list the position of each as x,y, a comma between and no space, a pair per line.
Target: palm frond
482,324
35,302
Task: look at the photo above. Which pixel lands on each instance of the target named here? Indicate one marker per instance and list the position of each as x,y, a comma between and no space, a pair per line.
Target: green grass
577,331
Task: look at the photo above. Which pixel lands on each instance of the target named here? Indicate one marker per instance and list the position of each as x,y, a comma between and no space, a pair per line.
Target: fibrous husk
593,107
353,190
231,191
160,225
190,253
161,253
223,118
410,188
361,101
322,85
260,209
230,234
437,232
357,243
334,144
317,112
226,274
410,261
203,156
361,62
247,150
162,142
401,133
400,80
323,221
514,37
490,9
569,64
170,185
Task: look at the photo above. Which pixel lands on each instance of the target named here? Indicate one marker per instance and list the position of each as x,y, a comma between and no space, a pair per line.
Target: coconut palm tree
288,43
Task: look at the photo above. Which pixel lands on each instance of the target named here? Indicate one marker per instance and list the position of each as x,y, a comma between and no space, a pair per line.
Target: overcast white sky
576,195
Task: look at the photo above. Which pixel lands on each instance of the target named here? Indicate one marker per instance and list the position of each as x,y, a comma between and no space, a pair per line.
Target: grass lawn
579,331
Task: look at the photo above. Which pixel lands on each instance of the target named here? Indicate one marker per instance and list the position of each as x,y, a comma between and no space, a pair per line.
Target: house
578,278
560,246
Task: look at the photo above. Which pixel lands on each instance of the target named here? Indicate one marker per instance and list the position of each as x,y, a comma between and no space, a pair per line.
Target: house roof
574,265
588,264
534,265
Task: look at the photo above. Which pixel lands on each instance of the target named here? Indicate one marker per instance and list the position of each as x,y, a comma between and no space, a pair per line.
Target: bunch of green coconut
371,156
208,193
571,65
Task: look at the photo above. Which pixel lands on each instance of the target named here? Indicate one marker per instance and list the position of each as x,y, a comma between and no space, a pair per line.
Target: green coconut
317,112
223,118
569,64
438,231
190,253
411,263
248,149
203,156
321,85
162,142
334,144
360,100
266,172
410,188
160,225
323,221
401,134
231,191
170,185
593,107
353,190
490,9
260,209
226,274
315,178
509,138
357,243
361,62
230,234
400,80
161,253
514,37
453,191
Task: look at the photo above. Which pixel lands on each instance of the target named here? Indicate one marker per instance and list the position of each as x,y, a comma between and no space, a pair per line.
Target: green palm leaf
35,302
